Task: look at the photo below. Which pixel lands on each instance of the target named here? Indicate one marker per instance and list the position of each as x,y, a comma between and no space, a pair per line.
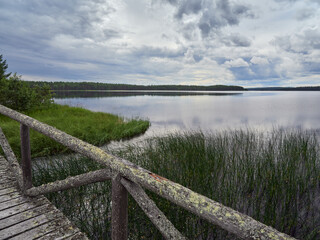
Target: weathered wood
9,196
71,182
14,202
23,217
43,228
214,212
13,163
119,213
21,208
5,185
26,157
64,232
78,236
32,223
157,217
6,179
8,190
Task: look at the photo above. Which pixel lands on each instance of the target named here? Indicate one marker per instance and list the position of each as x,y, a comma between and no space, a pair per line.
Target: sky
250,43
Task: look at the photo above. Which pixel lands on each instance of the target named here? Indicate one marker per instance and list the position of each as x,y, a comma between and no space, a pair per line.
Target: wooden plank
9,196
42,230
9,200
26,225
7,177
23,217
8,190
7,180
13,202
119,213
64,232
157,217
20,217
78,236
26,156
8,185
20,208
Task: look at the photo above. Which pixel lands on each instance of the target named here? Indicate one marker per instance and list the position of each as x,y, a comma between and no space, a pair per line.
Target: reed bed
273,177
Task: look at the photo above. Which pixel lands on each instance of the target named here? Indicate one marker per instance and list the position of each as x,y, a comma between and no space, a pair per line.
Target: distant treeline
311,88
112,86
131,93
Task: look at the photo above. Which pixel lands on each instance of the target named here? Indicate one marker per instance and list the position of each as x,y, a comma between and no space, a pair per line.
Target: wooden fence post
26,156
119,215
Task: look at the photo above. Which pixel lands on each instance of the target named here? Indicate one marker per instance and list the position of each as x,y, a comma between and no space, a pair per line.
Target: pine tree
3,68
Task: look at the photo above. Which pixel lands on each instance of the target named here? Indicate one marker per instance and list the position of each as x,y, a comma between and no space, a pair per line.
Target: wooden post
119,215
26,156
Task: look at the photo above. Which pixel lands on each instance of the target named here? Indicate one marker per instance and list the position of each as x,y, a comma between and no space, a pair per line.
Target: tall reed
273,177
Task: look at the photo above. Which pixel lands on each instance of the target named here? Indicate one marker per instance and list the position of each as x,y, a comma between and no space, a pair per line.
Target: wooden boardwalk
27,218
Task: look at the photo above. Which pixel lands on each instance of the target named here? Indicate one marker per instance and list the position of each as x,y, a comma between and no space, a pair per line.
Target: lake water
208,111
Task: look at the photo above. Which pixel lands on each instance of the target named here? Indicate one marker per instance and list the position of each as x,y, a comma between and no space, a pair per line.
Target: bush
17,95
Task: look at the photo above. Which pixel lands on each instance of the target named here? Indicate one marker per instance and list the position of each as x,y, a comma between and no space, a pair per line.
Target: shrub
17,95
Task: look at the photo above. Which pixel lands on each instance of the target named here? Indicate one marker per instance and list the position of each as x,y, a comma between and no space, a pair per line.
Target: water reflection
209,110
114,93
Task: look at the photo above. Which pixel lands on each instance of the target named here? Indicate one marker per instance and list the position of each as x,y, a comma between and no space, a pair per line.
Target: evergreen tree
3,68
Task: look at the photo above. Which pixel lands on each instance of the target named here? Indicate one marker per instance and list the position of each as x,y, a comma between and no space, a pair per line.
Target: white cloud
239,62
163,42
259,60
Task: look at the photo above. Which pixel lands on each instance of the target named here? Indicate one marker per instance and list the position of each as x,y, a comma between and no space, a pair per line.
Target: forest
113,86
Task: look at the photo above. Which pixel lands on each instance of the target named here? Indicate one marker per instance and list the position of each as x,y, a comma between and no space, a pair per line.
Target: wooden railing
128,177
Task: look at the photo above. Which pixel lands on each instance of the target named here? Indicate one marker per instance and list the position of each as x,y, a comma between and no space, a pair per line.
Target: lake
170,111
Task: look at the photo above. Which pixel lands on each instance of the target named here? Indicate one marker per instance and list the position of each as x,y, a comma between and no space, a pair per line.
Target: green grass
273,177
94,127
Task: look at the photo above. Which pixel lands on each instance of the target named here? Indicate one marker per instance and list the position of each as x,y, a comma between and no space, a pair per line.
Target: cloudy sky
202,42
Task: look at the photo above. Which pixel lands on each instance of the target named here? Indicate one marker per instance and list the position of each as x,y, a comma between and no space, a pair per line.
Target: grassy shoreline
93,127
274,178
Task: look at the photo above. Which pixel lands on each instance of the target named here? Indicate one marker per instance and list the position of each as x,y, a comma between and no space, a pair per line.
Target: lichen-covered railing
127,177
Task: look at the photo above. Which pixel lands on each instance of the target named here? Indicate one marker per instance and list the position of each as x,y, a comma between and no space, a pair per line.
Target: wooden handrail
214,212
11,158
152,211
71,182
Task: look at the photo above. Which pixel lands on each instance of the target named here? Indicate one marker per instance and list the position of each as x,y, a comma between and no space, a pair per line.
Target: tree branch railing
128,177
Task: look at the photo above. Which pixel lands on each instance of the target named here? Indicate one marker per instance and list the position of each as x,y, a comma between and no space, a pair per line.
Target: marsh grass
94,127
89,206
272,177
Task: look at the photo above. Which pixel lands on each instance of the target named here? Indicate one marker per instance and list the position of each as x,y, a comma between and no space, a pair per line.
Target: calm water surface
208,111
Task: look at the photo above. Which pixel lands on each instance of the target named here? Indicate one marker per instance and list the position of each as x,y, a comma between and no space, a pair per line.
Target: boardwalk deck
24,217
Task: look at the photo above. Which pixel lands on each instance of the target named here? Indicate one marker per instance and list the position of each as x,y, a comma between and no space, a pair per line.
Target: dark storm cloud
290,1
236,40
173,2
256,72
312,67
197,58
46,19
42,31
303,43
214,14
189,7
304,14
147,51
